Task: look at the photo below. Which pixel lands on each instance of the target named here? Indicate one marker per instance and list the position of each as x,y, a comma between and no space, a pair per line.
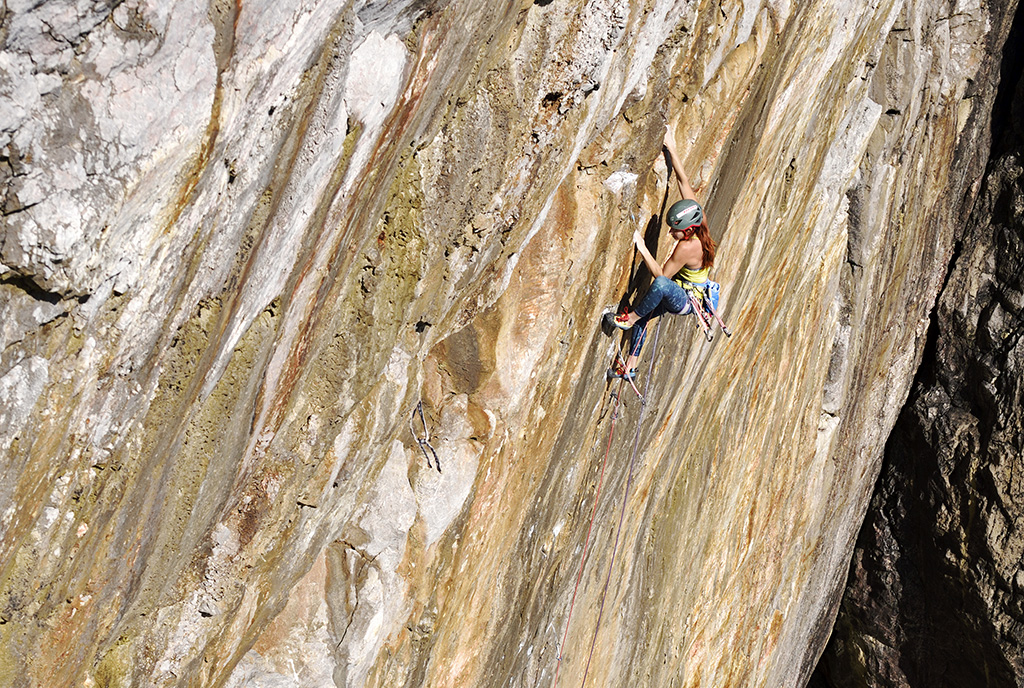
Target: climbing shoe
621,320
618,371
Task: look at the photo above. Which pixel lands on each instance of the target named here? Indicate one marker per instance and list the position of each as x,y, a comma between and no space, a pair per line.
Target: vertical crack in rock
349,569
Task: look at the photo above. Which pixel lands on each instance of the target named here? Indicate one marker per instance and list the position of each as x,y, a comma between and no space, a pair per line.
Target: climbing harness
424,441
704,307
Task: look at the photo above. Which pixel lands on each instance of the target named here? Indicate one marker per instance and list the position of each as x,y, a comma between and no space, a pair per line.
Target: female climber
687,265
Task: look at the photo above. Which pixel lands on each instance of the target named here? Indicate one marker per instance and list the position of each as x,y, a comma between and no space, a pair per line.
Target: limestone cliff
243,241
935,591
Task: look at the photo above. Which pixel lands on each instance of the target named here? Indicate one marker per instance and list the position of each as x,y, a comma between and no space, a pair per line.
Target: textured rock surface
935,591
241,242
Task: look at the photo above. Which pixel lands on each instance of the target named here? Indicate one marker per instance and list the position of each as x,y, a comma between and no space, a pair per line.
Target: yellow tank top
687,278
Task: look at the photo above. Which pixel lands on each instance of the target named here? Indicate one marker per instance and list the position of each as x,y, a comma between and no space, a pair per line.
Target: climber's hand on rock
670,138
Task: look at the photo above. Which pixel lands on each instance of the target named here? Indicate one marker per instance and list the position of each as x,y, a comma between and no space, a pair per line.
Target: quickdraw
631,381
424,441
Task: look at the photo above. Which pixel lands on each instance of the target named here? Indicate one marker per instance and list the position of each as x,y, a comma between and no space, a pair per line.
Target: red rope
593,512
590,528
625,498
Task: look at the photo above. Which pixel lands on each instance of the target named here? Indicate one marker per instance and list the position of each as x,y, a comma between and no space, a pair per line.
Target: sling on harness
703,294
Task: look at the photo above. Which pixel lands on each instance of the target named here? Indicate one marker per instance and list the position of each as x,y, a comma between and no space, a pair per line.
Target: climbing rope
625,499
590,528
611,430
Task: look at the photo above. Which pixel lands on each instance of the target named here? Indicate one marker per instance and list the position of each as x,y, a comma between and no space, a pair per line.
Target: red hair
707,244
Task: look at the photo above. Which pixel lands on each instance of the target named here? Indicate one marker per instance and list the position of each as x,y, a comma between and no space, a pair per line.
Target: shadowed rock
934,595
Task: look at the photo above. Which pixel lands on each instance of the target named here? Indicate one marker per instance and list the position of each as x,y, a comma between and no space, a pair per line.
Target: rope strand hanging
625,499
590,527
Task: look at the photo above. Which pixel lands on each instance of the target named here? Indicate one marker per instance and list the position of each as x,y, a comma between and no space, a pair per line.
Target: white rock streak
19,391
375,78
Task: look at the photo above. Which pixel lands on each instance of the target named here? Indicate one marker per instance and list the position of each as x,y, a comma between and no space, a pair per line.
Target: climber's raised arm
685,190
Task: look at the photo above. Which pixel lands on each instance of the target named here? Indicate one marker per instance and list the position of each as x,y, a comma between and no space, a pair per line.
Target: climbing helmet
684,214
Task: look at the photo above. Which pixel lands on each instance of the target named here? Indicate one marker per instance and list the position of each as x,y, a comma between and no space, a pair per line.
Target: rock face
242,243
935,590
